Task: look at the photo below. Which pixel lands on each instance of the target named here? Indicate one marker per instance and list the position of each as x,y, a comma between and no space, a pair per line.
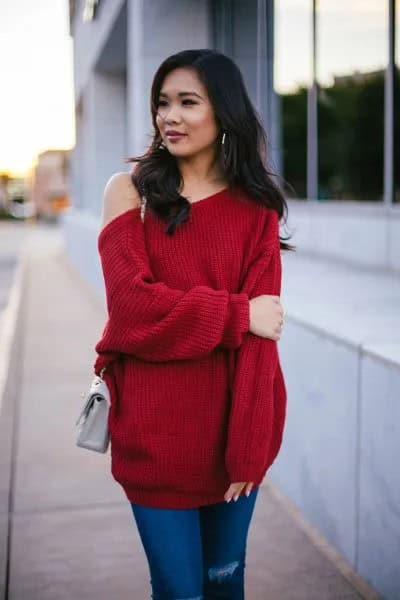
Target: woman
190,345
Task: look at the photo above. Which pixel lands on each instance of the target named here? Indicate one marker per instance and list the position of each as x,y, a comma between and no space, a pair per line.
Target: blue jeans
196,553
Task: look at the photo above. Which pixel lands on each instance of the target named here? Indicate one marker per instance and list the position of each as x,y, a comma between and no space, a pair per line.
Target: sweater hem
183,500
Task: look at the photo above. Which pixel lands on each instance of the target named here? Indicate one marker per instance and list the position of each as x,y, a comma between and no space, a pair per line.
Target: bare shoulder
119,195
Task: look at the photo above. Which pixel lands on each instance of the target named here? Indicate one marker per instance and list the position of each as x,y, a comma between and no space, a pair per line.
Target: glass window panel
292,77
351,61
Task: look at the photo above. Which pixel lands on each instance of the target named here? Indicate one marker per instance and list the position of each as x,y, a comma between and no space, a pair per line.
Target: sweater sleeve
251,419
152,321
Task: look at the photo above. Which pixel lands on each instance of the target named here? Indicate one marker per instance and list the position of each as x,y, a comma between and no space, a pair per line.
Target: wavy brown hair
243,156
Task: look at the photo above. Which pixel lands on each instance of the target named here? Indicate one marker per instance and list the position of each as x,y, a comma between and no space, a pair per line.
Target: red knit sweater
198,402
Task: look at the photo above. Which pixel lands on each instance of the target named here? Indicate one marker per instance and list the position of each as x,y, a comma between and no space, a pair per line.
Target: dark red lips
172,132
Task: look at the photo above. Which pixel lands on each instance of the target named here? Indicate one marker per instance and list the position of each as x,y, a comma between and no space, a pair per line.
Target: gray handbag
92,423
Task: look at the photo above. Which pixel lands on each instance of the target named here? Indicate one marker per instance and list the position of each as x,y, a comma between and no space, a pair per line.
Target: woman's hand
235,488
266,316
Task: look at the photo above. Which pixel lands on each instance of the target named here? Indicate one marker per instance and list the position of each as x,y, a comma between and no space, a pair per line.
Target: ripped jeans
197,553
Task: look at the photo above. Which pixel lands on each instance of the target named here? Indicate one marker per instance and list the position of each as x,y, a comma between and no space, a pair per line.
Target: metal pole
312,119
388,168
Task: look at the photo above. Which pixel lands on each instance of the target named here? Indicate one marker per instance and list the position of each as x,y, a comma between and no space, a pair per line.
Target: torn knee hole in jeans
221,573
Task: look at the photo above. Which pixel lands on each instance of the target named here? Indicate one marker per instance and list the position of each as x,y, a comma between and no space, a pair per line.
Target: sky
351,35
36,64
36,100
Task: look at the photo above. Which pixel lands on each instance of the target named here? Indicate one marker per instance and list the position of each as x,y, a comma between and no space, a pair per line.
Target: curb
10,331
8,322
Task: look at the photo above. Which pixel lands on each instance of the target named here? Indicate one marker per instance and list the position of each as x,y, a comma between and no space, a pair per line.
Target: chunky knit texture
198,402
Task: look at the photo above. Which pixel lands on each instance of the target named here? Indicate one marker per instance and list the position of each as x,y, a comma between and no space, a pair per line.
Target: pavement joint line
323,545
8,322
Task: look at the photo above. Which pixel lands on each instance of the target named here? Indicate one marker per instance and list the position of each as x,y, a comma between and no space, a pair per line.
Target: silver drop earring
223,148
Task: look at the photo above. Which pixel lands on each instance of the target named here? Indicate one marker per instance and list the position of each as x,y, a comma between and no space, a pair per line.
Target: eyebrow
182,94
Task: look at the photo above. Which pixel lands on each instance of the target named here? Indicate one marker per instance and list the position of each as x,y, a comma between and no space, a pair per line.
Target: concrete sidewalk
72,533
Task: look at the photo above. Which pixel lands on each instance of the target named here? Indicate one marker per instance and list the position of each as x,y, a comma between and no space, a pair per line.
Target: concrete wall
378,550
340,353
360,233
80,230
100,149
90,39
317,465
101,136
339,458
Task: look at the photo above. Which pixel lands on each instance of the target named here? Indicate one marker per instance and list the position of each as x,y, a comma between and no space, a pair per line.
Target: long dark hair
244,159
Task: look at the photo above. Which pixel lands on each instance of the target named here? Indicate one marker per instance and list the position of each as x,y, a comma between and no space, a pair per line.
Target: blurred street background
324,76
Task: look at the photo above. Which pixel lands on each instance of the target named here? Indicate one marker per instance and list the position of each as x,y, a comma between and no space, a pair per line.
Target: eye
187,102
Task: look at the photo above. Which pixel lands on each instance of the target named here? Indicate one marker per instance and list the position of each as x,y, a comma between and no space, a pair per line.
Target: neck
200,168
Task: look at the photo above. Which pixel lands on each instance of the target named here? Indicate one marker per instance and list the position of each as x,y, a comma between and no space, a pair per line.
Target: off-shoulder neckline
131,211
114,221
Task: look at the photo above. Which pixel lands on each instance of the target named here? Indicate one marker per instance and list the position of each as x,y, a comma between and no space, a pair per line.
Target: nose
170,114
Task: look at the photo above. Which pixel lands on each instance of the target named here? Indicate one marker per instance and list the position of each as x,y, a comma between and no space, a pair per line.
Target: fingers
235,490
248,488
281,309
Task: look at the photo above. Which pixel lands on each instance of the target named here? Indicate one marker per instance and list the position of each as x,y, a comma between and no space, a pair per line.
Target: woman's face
184,107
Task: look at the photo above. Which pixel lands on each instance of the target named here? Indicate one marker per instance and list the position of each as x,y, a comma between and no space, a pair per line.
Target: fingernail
248,493
229,499
235,498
